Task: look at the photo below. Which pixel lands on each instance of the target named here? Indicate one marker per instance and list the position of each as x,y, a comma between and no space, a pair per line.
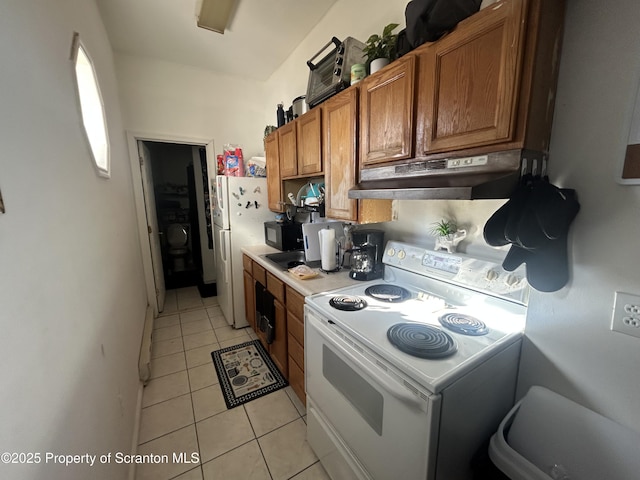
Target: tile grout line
193,412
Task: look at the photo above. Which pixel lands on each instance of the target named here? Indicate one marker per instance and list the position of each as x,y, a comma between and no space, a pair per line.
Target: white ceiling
260,36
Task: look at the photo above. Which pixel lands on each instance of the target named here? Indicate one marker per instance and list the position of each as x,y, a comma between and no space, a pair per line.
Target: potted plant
448,236
379,50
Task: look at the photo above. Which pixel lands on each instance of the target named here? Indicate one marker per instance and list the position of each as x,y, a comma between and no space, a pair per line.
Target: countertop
324,282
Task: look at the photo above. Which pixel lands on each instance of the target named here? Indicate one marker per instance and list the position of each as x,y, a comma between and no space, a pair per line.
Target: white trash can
546,435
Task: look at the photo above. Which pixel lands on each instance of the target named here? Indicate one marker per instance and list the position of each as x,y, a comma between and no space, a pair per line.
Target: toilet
177,237
549,436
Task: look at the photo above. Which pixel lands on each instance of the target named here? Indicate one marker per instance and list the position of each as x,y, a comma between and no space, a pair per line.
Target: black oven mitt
536,223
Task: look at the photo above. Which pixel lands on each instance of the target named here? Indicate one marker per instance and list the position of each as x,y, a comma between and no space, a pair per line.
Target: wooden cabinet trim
296,380
340,154
490,44
287,150
381,95
295,302
275,287
279,348
274,182
309,143
296,351
295,325
260,274
247,263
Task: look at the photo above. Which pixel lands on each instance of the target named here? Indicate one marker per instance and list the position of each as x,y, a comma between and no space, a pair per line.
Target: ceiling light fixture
214,14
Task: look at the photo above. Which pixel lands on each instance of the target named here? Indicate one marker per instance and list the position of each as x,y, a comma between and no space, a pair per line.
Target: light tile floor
184,411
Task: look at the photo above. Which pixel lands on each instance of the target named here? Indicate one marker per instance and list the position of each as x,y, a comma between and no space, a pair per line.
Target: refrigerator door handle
223,244
219,193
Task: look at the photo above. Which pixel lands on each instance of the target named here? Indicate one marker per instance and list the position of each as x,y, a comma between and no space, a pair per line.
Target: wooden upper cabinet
340,154
387,113
309,143
274,182
469,81
287,150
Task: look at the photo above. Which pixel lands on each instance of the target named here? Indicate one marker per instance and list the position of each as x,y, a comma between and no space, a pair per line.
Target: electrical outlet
626,314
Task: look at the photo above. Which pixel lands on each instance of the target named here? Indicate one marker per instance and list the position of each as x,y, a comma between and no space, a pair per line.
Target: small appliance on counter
284,236
311,236
332,74
366,254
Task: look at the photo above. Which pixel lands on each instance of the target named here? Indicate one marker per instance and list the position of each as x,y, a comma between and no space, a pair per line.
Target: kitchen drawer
295,303
296,380
260,274
246,263
296,352
295,326
275,287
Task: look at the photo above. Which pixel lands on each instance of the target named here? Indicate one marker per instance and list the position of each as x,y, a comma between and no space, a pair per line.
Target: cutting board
311,240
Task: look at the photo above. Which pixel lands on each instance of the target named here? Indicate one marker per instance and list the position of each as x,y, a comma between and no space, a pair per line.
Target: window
91,107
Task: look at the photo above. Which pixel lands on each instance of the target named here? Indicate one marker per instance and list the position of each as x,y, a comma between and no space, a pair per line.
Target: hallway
184,410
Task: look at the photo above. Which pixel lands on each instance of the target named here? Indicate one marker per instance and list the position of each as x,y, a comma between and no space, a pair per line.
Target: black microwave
283,236
333,73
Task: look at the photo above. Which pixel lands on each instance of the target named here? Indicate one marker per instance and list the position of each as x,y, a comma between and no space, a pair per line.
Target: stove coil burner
347,303
388,293
464,324
424,341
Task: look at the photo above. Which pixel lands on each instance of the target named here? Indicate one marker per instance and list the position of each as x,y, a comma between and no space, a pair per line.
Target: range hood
490,176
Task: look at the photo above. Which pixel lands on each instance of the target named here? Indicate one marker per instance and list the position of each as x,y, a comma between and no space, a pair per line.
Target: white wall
72,298
569,345
347,18
177,101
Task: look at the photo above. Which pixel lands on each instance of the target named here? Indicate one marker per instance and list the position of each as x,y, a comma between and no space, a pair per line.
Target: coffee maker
366,254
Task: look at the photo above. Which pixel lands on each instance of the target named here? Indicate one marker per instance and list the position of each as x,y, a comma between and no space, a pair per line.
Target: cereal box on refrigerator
233,161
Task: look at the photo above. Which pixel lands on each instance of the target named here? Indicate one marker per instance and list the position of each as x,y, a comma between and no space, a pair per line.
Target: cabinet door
340,154
287,149
310,143
387,113
249,300
296,380
274,184
278,349
468,82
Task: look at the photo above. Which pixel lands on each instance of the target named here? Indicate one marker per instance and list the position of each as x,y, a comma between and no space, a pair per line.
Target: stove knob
492,275
391,252
401,254
512,280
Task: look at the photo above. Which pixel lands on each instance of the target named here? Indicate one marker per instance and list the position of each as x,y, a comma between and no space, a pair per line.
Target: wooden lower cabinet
249,299
296,380
295,324
287,348
278,348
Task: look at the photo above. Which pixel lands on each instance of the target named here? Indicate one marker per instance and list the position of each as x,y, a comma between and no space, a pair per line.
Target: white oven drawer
333,454
390,431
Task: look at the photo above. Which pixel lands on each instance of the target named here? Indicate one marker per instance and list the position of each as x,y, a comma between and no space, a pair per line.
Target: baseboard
136,431
144,361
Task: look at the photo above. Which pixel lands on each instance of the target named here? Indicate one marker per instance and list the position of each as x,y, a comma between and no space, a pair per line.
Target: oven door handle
380,377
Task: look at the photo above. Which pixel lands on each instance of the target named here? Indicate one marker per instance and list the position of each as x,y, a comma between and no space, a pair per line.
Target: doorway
180,184
172,189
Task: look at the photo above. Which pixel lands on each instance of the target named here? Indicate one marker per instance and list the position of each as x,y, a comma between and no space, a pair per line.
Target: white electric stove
409,374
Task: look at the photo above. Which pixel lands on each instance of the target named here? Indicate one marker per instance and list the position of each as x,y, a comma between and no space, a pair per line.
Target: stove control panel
478,274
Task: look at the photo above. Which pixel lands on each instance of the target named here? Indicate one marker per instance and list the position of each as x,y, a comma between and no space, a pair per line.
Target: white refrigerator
240,208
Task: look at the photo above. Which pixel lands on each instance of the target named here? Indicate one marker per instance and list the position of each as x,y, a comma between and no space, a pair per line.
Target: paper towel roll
327,237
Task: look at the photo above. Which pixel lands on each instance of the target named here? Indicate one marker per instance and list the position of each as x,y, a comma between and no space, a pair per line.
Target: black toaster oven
333,73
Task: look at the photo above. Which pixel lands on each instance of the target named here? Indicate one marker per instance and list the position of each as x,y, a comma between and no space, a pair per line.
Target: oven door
379,427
